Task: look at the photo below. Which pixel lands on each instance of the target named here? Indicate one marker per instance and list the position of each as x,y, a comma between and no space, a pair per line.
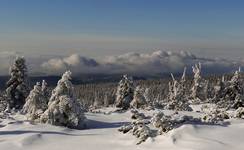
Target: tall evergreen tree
125,92
139,101
232,96
199,88
17,87
63,107
177,98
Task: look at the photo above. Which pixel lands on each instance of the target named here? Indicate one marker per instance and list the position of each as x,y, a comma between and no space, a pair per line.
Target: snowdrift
16,133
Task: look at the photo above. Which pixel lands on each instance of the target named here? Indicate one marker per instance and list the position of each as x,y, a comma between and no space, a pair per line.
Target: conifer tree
199,88
125,92
17,87
36,102
232,96
139,100
63,107
177,98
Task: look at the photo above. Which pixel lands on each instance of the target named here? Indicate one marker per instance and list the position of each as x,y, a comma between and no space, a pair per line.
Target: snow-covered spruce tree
147,96
63,107
232,97
219,90
36,102
177,98
45,89
139,100
106,99
125,92
199,88
98,102
17,87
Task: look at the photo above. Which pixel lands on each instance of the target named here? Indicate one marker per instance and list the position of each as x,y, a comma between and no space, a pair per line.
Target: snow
16,133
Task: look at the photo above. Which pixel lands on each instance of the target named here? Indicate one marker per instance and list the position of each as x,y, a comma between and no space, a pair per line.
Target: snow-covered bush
207,108
239,113
177,98
138,127
199,90
215,116
166,123
125,92
136,115
162,122
63,107
36,102
139,100
142,132
126,128
17,87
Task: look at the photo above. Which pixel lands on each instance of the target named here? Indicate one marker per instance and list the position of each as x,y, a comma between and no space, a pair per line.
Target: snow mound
16,133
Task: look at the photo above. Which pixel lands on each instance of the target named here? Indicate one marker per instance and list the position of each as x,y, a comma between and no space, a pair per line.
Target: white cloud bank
75,63
158,62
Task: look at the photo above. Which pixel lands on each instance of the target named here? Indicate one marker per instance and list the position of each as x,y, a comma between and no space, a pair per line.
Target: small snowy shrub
137,115
239,113
166,123
138,127
126,128
63,107
139,130
215,116
162,122
142,132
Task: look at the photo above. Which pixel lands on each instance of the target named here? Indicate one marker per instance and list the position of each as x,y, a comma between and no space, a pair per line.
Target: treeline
104,94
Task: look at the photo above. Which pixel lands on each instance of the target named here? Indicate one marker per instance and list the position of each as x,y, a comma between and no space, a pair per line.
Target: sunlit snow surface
16,133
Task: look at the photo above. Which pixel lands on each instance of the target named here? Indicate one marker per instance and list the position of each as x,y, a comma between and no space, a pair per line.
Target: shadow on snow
93,124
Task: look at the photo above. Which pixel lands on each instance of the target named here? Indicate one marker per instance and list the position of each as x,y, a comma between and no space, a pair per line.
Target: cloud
158,62
75,63
154,63
163,62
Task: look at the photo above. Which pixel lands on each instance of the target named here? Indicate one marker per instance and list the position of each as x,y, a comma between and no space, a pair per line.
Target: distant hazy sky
98,28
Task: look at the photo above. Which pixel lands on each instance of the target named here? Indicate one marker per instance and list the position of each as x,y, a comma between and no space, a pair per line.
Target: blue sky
109,27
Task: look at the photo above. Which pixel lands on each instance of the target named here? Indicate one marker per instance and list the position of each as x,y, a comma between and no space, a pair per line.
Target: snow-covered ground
102,134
